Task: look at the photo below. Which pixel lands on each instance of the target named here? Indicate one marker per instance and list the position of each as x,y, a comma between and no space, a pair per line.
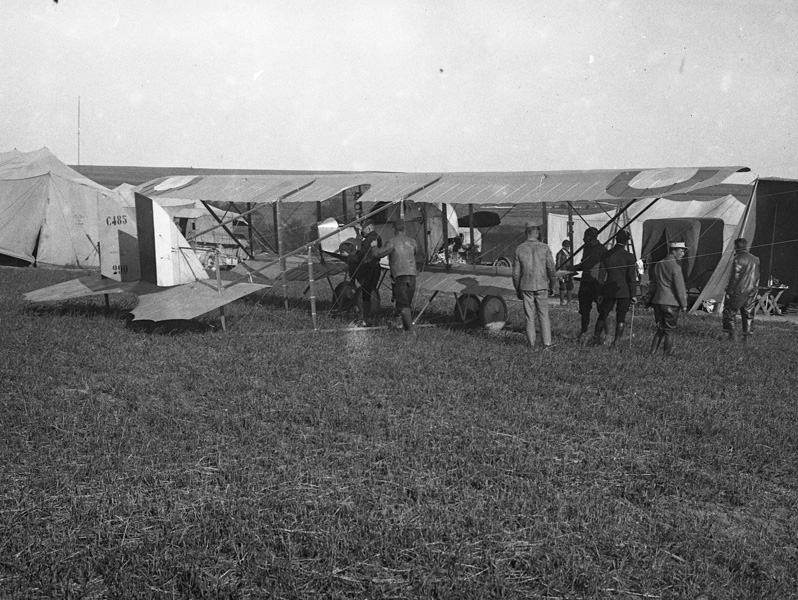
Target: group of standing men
609,280
364,265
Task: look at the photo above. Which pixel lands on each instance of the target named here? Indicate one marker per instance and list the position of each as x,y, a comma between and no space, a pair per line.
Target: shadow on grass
175,327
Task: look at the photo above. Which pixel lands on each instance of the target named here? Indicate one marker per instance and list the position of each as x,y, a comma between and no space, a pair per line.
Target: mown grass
272,461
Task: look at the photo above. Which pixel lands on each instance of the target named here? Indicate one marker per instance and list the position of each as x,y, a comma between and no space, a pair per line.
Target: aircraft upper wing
522,187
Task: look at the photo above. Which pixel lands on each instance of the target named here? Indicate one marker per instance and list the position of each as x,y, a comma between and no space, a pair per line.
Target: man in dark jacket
592,253
741,290
668,295
619,289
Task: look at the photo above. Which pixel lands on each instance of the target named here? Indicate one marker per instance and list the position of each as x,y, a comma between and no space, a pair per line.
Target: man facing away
565,261
533,276
592,254
741,290
401,252
619,290
668,294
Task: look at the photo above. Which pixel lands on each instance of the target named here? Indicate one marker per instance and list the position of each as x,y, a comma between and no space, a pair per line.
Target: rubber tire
493,313
466,308
345,296
502,261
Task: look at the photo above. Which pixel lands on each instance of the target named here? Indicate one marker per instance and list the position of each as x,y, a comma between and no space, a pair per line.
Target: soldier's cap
677,246
591,232
566,242
367,222
533,223
622,237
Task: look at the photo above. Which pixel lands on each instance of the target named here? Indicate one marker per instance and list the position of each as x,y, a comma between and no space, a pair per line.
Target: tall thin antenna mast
78,130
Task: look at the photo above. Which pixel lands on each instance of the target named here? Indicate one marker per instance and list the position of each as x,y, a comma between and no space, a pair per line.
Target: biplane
437,205
146,255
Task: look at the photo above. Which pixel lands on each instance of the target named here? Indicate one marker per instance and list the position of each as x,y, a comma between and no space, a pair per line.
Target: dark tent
775,239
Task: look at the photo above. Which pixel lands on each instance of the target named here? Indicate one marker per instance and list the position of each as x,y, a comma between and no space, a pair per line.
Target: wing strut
610,222
227,229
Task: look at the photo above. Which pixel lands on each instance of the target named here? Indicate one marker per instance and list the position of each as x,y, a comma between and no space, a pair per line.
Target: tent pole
544,216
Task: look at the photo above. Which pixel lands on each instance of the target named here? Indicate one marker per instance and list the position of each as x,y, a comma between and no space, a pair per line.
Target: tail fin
165,257
119,246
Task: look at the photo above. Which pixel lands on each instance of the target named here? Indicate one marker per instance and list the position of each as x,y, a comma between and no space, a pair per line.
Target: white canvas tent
730,212
48,211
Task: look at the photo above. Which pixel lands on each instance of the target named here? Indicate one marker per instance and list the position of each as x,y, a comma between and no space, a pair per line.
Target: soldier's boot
598,332
562,297
732,335
655,342
747,325
668,344
366,314
407,320
619,327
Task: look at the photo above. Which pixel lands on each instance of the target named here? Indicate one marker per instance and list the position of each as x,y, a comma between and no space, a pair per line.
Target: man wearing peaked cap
565,261
668,295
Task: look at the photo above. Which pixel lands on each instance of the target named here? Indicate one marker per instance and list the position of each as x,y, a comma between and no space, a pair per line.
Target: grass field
272,461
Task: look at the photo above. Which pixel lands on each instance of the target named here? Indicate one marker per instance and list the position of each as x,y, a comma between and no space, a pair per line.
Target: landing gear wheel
345,296
493,313
466,308
502,261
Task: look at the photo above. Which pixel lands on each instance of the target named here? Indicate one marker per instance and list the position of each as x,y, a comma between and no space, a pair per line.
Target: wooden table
767,299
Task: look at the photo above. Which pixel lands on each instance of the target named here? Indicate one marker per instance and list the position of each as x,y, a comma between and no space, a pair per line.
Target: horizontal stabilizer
190,300
88,286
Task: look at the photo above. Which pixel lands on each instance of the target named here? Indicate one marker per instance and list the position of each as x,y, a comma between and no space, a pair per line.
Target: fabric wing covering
526,187
190,300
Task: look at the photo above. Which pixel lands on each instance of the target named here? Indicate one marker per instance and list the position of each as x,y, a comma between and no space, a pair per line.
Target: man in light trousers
533,276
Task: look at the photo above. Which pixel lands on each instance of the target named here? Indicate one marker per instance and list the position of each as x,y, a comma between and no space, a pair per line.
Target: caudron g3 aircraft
426,201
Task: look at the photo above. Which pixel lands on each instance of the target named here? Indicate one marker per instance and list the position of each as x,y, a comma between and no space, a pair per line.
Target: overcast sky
403,85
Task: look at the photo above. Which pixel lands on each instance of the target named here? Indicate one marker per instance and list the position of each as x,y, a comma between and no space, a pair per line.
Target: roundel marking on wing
652,182
658,178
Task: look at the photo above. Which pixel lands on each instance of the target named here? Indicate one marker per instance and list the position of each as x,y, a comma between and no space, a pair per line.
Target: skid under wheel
493,313
466,308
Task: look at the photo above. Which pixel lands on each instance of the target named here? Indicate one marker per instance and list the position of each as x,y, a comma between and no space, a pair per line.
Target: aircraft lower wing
190,300
297,269
468,279
479,280
155,303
